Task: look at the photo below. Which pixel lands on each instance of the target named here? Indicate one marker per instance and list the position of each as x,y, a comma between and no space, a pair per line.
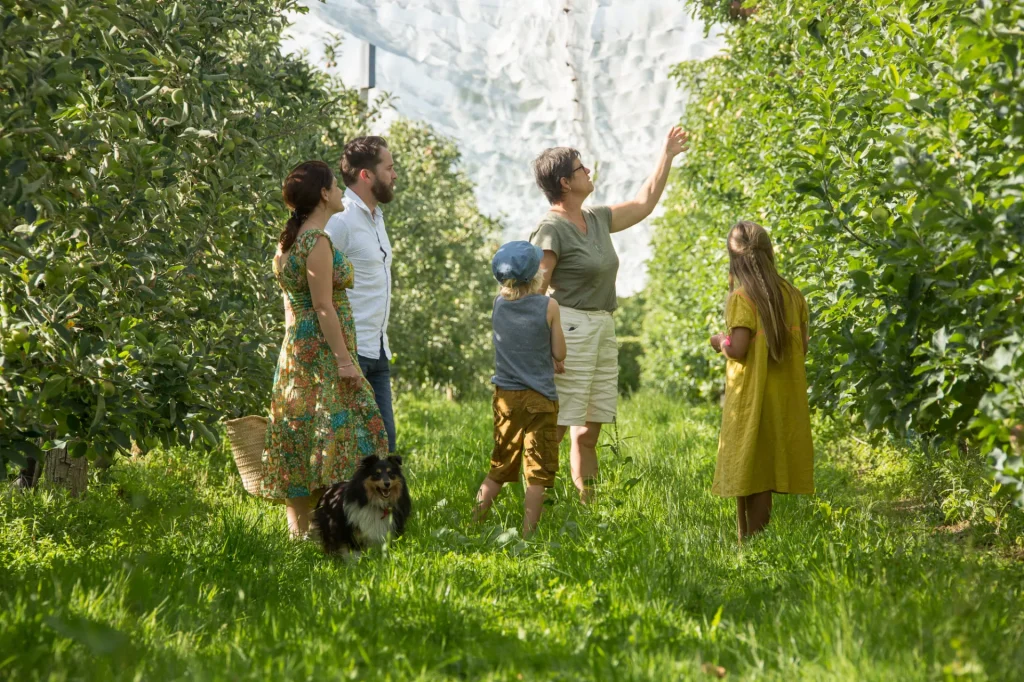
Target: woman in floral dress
323,415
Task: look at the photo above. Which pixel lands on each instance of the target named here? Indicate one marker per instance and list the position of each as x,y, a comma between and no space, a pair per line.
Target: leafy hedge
142,149
629,319
882,146
440,327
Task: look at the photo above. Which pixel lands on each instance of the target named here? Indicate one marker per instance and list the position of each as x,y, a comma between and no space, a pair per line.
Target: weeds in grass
170,571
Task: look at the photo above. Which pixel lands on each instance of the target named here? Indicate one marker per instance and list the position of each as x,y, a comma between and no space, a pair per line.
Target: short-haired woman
580,266
323,415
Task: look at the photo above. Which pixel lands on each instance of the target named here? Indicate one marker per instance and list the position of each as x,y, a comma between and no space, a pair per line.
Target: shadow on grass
171,571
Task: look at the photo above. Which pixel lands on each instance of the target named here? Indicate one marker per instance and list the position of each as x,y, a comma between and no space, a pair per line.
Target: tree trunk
63,471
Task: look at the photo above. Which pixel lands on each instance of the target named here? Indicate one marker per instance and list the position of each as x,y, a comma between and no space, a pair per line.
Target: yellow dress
765,442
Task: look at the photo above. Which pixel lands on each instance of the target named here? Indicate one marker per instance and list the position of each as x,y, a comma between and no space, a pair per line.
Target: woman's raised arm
630,213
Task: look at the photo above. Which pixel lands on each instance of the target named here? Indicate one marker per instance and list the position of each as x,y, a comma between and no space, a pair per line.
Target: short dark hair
362,153
550,167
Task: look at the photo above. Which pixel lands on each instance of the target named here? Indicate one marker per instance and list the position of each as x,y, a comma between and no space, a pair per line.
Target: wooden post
369,76
64,471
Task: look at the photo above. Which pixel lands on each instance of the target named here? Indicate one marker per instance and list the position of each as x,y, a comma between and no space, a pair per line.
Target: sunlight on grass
169,570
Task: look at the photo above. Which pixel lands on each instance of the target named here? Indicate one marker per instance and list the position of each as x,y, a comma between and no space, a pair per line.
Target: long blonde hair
752,265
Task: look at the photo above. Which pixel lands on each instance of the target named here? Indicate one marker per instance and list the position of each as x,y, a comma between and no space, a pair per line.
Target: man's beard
383,193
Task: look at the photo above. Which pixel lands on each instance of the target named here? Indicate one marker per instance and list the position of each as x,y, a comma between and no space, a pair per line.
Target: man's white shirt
360,235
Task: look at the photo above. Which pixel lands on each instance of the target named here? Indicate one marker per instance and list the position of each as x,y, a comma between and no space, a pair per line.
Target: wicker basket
247,435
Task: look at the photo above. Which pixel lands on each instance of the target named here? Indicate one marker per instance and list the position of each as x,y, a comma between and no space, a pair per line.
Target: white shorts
589,389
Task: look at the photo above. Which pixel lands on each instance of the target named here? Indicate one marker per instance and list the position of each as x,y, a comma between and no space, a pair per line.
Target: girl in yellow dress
765,445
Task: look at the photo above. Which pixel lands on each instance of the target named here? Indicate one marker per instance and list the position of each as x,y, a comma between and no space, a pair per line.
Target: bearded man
358,232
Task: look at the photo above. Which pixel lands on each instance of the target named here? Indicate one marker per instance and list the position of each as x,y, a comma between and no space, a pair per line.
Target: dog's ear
369,460
396,460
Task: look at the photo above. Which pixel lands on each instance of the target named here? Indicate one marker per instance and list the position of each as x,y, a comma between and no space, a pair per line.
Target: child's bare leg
741,518
583,458
759,511
489,490
532,508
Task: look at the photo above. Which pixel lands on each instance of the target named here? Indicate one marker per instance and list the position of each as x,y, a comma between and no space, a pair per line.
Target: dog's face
382,479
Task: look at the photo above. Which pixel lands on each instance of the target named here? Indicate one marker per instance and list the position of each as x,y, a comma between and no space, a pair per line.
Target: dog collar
384,514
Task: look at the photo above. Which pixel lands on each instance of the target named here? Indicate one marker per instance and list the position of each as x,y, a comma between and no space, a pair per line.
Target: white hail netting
507,79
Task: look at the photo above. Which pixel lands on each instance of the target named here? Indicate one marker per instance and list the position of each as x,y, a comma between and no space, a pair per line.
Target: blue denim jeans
378,373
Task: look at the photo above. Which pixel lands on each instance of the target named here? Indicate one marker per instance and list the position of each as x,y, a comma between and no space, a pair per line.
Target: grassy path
170,572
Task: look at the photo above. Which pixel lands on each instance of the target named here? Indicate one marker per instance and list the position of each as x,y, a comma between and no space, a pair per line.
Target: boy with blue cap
527,340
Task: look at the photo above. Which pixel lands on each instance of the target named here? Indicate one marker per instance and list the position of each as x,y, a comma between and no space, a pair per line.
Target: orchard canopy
882,145
143,147
143,150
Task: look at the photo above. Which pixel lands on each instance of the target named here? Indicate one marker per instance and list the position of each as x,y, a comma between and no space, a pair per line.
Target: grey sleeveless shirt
522,346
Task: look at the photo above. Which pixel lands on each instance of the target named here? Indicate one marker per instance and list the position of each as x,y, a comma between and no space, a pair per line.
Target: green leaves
141,205
886,166
443,288
142,170
1001,359
808,186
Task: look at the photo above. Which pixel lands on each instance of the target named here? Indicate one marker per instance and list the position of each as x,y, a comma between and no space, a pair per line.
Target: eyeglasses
581,168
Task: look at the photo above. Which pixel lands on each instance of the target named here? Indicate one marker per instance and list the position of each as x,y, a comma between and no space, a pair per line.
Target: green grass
170,571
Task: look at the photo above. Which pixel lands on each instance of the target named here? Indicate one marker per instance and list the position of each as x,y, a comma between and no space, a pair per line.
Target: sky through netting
509,78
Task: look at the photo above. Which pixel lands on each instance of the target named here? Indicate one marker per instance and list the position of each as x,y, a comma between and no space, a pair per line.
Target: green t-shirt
584,277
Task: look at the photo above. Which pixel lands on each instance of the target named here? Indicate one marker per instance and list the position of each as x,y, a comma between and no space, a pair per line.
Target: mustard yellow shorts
525,425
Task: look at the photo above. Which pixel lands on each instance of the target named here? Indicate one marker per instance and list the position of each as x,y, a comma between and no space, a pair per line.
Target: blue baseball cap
516,260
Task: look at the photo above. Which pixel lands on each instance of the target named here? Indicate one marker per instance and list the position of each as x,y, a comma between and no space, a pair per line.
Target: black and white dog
353,515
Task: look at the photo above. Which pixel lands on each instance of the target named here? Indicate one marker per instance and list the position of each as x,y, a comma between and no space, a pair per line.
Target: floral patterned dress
320,425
